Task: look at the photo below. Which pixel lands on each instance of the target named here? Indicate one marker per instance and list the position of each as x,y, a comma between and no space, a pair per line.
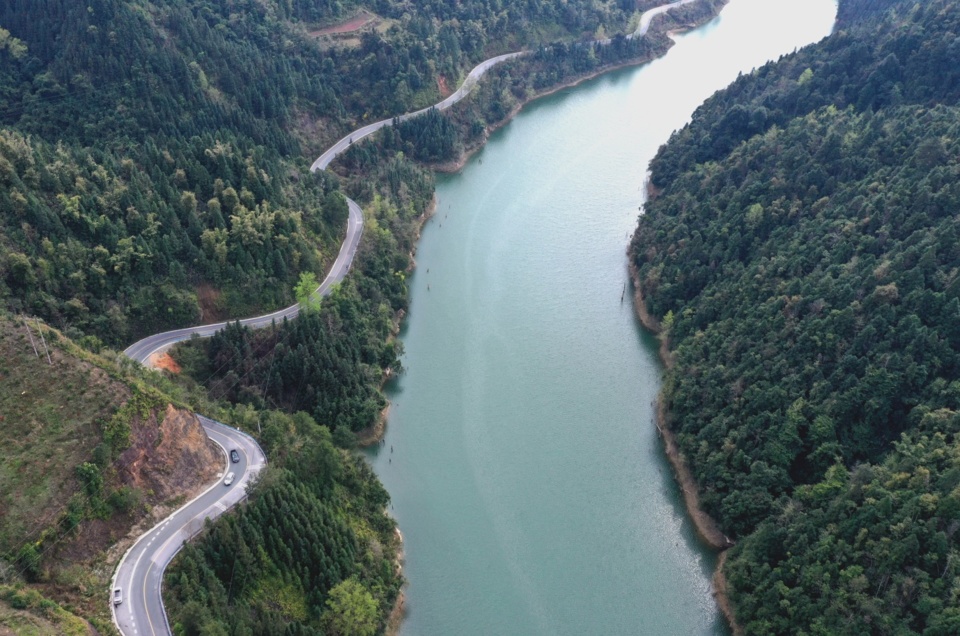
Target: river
521,454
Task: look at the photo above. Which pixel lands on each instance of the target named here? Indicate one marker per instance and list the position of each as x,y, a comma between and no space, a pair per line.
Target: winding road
142,350
139,575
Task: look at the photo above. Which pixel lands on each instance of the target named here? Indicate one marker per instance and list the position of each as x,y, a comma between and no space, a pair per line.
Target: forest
311,549
799,249
154,173
155,153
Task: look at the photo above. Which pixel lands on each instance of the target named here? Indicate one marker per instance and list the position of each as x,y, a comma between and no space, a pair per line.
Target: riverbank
722,596
706,526
509,419
376,432
399,610
469,403
712,10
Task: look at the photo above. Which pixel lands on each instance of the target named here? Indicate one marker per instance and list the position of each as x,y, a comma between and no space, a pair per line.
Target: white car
228,480
117,596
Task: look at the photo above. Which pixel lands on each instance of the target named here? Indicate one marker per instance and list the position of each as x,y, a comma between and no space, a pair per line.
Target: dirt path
353,24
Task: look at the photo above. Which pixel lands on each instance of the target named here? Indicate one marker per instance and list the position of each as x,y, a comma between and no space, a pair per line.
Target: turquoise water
525,470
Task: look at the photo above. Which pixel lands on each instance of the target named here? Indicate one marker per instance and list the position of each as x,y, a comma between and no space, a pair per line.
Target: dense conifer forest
153,152
800,252
312,547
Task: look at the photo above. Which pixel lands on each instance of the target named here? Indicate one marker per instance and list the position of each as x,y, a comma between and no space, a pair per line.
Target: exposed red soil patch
170,454
164,361
170,460
442,86
353,24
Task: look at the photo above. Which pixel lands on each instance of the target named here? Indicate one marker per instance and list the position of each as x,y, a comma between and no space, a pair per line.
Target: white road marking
341,266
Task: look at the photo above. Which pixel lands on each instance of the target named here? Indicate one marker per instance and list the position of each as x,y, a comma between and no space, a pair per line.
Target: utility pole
44,341
26,326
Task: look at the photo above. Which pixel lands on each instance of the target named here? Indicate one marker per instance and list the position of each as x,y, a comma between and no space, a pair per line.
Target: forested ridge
160,147
800,252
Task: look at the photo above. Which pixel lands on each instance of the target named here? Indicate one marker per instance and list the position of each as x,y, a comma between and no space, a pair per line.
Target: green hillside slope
154,153
92,457
802,255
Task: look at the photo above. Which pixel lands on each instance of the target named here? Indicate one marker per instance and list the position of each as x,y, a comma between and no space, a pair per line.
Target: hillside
154,173
95,456
799,251
155,153
91,458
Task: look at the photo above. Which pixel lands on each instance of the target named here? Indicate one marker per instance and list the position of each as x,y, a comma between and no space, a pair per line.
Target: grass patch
26,612
286,598
50,423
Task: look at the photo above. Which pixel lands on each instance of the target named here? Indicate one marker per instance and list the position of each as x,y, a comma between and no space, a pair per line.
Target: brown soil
648,320
721,593
706,527
397,614
374,433
170,456
210,306
167,459
353,24
164,361
170,460
442,86
399,611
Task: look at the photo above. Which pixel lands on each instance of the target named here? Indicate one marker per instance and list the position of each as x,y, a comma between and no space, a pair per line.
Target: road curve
473,77
650,14
471,80
143,349
140,573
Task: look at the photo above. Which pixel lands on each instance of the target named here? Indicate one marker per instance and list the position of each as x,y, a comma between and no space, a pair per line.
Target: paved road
140,573
649,15
143,349
473,77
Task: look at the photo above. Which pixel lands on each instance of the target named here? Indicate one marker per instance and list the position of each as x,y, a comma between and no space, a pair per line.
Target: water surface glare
521,454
